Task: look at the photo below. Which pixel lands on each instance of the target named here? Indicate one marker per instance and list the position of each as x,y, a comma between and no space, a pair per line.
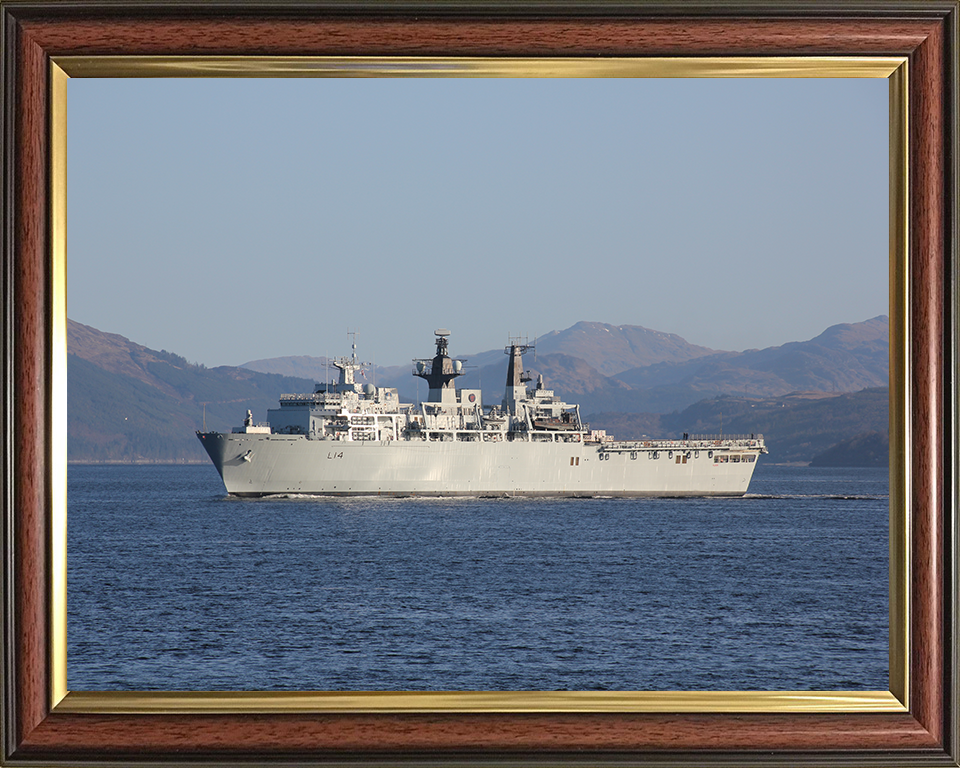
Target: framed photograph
912,46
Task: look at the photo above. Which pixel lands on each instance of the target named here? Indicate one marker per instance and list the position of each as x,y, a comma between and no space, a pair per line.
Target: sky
230,220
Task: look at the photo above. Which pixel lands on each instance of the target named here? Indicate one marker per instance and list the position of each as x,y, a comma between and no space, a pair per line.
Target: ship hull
270,464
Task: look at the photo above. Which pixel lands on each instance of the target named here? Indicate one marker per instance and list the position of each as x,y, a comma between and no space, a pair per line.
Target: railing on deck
694,442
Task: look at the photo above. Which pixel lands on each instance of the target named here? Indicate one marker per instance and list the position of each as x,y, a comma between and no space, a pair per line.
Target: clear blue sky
230,220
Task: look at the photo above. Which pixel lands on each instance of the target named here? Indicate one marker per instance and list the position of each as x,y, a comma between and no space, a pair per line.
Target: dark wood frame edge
500,9
928,735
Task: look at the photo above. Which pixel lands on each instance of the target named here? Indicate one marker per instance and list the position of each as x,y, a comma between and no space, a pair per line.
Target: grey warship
349,438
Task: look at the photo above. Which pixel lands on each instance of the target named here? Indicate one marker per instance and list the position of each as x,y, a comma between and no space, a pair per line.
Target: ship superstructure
353,438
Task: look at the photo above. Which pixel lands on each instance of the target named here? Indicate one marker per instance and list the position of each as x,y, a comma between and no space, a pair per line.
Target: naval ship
349,438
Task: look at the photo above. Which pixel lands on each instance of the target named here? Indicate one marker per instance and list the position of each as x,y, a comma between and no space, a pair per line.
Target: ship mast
440,371
348,366
516,389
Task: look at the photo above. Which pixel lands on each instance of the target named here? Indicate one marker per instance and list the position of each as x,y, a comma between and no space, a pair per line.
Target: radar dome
369,389
457,366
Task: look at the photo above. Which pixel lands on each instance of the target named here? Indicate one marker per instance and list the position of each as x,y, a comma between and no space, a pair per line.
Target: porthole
670,455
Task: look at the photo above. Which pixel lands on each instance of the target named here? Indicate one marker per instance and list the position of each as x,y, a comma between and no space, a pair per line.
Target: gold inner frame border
894,69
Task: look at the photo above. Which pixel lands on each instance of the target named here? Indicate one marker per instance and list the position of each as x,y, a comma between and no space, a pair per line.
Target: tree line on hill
128,403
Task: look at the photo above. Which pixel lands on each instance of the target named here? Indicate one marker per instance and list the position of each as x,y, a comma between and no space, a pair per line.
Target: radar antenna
442,343
353,343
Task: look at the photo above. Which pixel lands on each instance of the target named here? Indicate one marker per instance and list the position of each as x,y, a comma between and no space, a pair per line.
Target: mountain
126,402
615,348
631,369
602,350
797,426
870,449
299,366
844,358
131,403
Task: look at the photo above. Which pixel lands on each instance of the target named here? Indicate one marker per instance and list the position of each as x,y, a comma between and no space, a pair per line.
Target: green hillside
116,417
127,402
796,427
869,449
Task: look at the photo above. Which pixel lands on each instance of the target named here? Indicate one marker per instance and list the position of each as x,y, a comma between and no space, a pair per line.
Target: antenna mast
353,342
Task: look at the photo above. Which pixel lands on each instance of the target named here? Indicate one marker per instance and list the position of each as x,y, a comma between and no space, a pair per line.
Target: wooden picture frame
39,727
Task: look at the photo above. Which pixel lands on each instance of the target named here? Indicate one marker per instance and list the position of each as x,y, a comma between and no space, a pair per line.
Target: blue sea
173,585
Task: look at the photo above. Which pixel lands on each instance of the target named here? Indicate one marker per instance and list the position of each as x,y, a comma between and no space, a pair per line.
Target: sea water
173,585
